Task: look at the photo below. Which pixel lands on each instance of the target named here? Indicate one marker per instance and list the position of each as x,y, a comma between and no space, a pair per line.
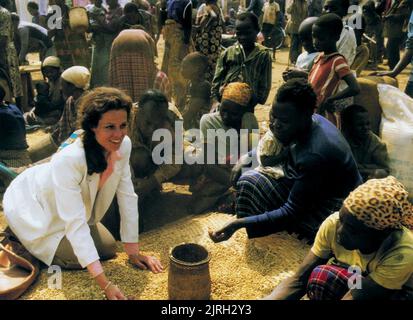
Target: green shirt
233,66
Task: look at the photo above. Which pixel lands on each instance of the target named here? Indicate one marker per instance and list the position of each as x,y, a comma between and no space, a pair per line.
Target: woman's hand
146,262
225,233
112,292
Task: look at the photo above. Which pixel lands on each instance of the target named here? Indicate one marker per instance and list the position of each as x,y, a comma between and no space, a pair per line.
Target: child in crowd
369,150
306,59
194,68
329,68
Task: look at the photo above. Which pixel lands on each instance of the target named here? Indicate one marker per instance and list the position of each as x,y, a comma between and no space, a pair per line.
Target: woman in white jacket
54,208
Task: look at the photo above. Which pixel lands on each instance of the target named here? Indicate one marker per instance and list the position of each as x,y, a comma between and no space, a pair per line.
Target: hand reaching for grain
224,233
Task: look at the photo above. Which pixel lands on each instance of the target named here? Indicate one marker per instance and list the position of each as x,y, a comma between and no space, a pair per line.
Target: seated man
319,171
369,151
367,246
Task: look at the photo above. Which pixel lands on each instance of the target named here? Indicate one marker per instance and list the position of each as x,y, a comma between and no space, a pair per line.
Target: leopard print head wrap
381,204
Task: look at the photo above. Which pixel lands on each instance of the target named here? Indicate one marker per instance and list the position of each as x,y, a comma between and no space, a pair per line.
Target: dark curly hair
92,106
153,95
251,17
349,113
331,24
298,91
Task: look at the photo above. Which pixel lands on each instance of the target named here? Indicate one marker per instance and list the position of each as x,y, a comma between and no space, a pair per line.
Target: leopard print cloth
381,204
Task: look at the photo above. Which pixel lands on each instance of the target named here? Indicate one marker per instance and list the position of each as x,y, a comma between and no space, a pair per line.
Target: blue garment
177,10
12,128
321,167
409,41
256,7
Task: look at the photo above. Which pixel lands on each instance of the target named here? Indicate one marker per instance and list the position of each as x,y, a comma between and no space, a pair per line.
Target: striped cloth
326,73
328,282
258,193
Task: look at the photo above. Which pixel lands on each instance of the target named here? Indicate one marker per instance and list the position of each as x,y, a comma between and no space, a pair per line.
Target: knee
327,282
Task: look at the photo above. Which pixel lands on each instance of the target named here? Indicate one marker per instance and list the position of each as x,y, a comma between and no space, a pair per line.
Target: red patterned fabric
328,282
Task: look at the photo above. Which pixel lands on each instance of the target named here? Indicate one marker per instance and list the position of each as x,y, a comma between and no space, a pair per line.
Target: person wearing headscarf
52,70
48,106
232,120
75,81
364,251
132,65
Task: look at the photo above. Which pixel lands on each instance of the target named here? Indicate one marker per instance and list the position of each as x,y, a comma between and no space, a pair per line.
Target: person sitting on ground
55,209
75,81
193,68
329,68
52,71
43,112
368,149
306,59
233,117
370,236
319,172
246,61
13,144
152,113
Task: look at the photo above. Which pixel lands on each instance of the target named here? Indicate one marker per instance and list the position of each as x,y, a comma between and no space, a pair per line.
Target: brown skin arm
352,90
401,65
294,288
370,291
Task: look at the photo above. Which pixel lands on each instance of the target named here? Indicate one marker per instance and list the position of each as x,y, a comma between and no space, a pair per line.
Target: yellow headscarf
381,204
237,92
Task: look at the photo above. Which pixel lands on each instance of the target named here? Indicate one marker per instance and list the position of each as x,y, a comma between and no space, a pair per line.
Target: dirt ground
240,268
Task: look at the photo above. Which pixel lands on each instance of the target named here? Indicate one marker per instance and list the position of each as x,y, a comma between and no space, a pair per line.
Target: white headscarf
78,76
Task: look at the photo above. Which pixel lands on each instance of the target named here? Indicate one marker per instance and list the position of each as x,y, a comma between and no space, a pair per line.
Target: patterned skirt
258,193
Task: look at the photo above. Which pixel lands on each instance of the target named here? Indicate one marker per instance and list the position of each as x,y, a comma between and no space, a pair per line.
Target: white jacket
57,199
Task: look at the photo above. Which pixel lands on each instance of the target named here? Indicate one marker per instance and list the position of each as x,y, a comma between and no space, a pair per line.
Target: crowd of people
321,171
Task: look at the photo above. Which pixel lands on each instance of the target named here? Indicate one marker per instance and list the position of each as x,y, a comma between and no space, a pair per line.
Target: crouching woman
55,208
365,251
